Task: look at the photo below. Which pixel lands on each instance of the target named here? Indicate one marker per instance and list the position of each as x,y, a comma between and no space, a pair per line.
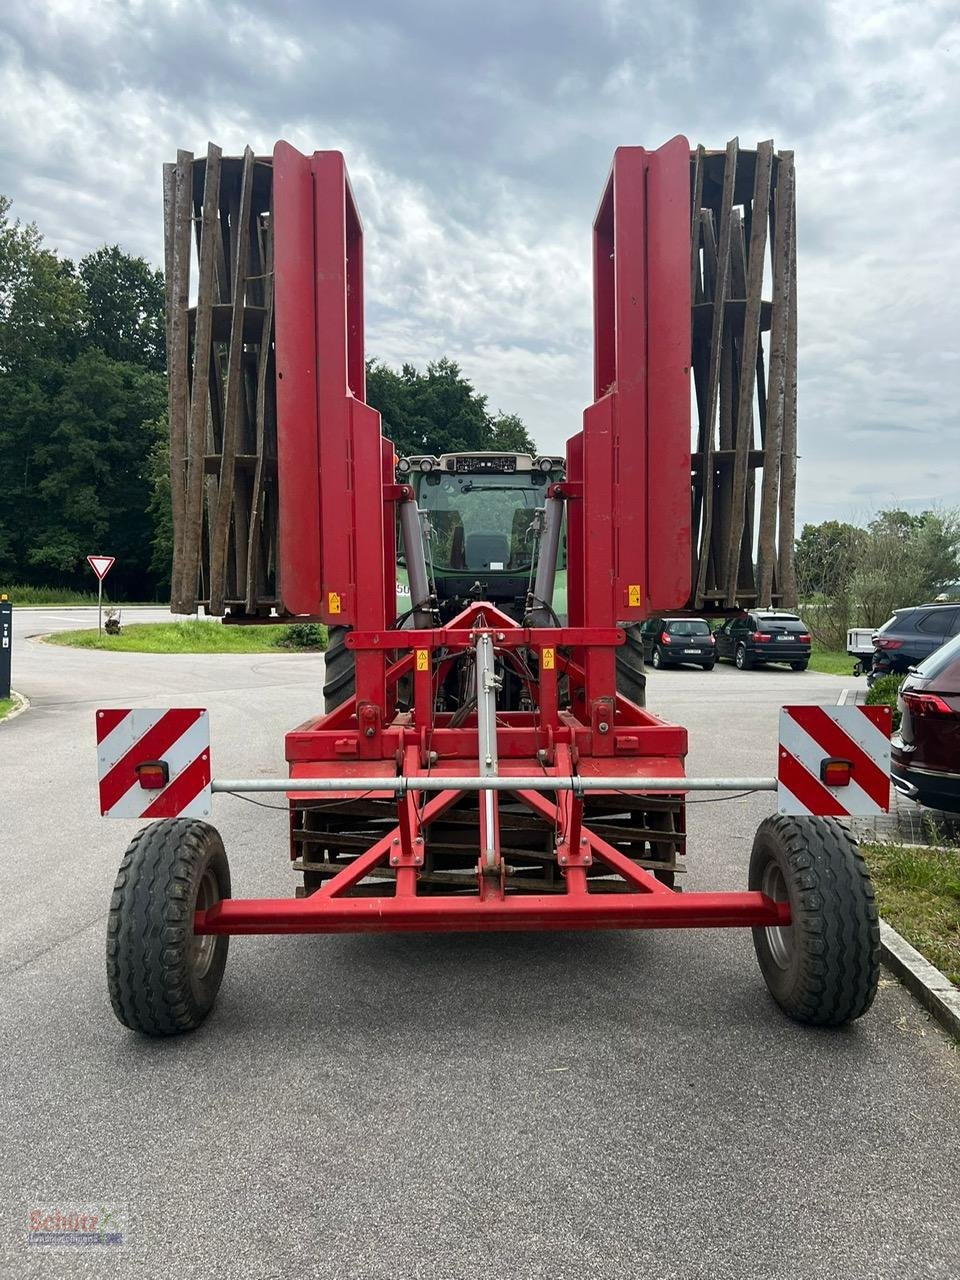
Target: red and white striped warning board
154,763
834,761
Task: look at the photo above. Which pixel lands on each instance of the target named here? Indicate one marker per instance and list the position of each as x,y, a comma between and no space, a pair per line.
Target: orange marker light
835,772
153,775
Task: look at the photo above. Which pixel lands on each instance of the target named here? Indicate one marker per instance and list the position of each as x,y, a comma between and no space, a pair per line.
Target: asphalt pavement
523,1106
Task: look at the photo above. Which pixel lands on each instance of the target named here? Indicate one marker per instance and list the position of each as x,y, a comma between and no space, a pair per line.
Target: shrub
302,635
883,692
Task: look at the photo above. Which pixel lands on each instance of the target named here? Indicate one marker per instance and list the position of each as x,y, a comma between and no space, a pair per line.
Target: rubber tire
740,659
150,975
631,675
834,963
708,666
339,670
798,666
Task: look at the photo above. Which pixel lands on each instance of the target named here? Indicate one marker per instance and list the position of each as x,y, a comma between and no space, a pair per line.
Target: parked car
925,750
762,636
668,642
912,635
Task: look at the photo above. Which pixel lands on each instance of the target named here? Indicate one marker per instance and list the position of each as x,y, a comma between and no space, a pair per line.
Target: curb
923,980
21,704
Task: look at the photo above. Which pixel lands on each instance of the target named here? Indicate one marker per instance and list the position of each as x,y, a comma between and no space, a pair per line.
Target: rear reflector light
664,638
760,637
804,639
713,638
926,704
153,775
882,642
835,772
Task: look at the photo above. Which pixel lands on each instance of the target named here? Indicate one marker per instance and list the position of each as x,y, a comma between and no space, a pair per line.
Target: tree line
852,576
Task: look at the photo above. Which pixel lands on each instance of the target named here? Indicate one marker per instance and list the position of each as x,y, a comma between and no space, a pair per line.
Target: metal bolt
563,859
396,840
419,840
603,727
369,731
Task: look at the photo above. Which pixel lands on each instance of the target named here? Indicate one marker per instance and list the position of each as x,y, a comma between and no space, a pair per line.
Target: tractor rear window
481,523
688,627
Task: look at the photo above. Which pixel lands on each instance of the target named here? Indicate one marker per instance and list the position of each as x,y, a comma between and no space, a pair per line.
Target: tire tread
834,913
148,933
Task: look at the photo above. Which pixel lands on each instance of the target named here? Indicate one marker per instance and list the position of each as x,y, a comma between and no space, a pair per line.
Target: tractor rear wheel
631,678
824,967
339,669
163,978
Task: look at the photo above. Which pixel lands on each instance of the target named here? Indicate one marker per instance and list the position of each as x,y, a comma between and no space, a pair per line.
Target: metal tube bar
533,782
487,685
411,533
318,914
541,614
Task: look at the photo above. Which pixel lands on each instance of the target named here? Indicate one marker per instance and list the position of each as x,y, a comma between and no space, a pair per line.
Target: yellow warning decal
548,659
634,599
333,601
423,659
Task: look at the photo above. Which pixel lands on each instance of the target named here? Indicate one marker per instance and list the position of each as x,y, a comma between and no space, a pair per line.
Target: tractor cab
482,517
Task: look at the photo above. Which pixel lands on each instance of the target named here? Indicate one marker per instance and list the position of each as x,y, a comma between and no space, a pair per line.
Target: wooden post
774,418
713,377
748,364
788,452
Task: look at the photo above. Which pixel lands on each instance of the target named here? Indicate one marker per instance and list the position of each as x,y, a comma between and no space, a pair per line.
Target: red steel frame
628,508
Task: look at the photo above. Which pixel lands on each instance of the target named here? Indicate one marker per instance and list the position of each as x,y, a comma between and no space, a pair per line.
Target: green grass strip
831,663
194,637
918,891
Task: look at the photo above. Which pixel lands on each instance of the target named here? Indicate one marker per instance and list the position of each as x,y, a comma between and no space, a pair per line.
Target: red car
925,751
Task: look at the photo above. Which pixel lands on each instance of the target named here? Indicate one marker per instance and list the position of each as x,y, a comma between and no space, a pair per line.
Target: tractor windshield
482,522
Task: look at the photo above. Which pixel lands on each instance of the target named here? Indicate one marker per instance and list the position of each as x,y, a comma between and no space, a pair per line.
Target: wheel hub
780,937
204,944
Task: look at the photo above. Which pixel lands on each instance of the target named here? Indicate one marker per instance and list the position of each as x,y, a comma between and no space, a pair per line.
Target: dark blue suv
912,635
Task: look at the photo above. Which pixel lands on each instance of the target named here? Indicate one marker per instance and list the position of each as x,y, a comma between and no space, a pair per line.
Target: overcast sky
478,137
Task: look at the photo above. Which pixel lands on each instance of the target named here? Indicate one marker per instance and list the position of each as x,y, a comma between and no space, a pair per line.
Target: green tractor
484,528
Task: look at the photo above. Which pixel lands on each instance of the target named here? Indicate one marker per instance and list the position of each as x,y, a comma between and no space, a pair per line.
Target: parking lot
443,1106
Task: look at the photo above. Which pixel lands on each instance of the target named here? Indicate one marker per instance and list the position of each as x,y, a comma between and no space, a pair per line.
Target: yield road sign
101,565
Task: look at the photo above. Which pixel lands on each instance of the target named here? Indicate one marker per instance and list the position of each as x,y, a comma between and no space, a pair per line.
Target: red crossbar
322,914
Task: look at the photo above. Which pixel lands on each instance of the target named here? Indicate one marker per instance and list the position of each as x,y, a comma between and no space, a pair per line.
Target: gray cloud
478,138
